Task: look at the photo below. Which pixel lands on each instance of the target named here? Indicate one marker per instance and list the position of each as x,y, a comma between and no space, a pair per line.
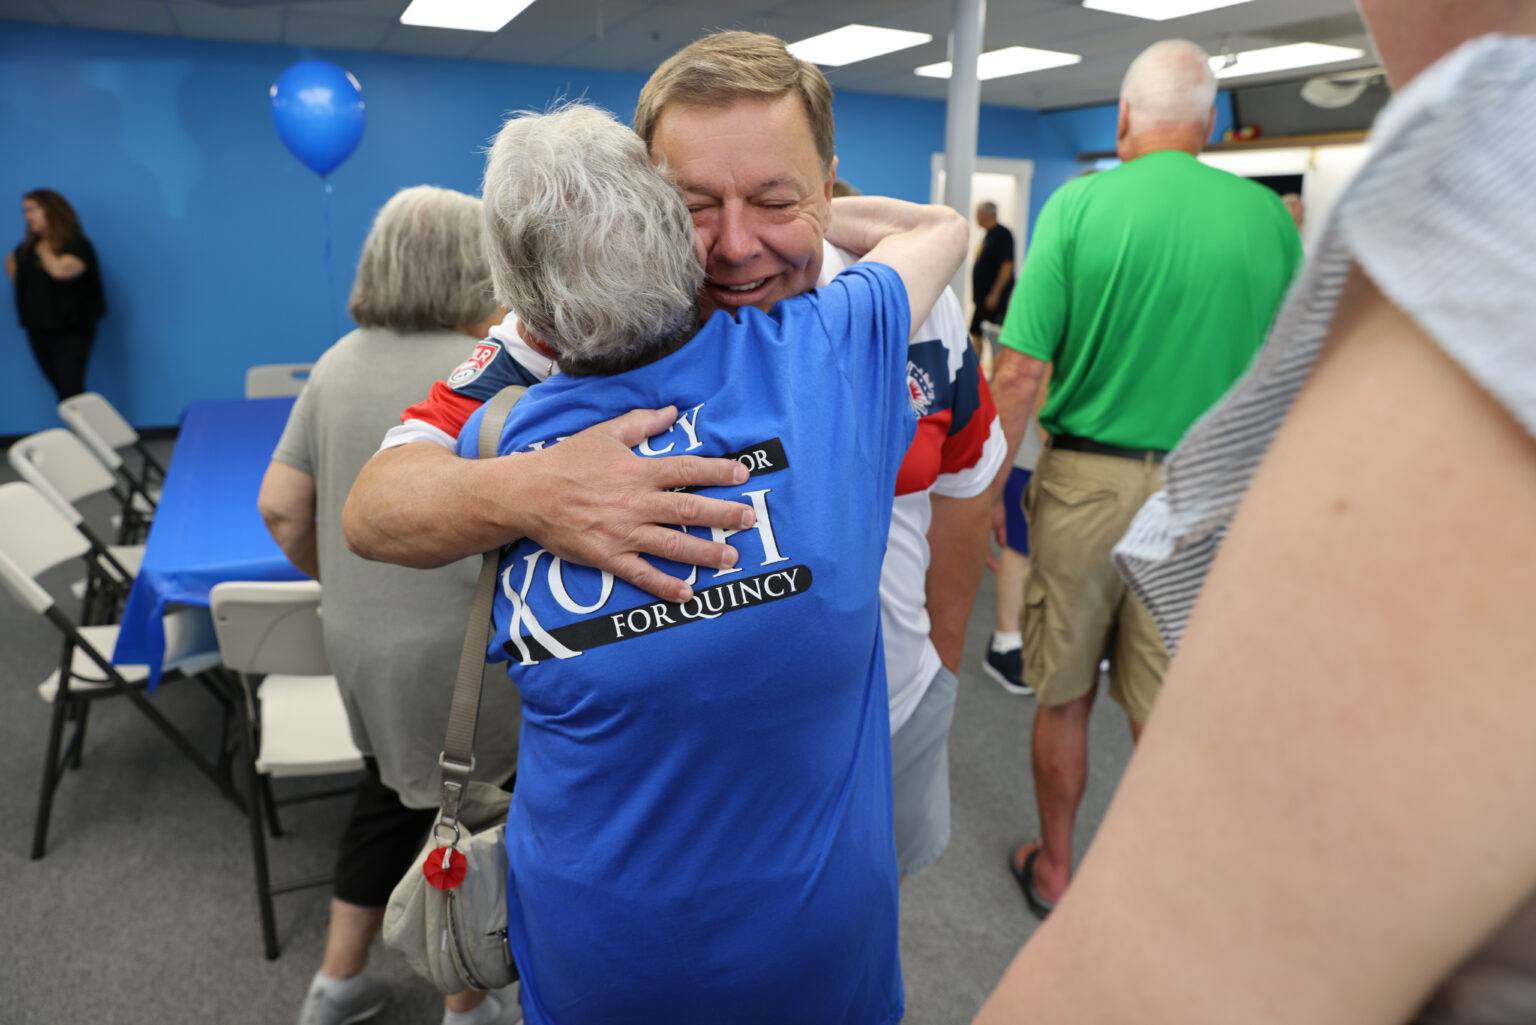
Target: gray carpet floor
143,911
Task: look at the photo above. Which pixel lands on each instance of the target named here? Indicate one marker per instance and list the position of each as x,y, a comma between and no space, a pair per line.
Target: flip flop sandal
1025,876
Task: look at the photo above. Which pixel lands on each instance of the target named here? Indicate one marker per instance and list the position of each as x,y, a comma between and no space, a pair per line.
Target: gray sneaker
323,1007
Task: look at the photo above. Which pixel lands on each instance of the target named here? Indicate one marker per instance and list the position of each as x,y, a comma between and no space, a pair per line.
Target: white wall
1325,170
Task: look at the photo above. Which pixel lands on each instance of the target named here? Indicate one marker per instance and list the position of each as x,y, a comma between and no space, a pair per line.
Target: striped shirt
1442,219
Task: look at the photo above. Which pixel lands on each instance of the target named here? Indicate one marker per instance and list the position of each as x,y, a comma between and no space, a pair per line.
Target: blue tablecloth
207,529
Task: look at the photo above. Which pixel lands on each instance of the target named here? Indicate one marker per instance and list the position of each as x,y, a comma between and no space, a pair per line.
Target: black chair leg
51,772
150,469
270,804
227,752
78,741
255,784
90,604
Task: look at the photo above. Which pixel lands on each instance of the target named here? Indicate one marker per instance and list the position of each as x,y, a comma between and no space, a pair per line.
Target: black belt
1072,443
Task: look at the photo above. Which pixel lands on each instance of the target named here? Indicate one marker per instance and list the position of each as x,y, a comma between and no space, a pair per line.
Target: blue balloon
319,112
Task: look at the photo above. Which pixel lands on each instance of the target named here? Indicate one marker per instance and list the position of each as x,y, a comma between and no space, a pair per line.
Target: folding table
206,529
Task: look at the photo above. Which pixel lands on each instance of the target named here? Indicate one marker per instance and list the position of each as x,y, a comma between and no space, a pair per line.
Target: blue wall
210,232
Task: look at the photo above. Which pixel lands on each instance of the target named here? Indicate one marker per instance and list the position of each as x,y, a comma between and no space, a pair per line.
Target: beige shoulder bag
448,916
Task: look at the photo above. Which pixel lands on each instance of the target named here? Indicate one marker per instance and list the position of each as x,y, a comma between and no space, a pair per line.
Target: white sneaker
323,1005
511,1004
501,1007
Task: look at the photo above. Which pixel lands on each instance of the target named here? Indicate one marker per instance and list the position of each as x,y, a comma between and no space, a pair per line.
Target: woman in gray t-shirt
392,634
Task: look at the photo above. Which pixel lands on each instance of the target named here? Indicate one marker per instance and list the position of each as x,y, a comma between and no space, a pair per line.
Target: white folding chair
60,465
296,722
34,538
267,380
62,469
107,434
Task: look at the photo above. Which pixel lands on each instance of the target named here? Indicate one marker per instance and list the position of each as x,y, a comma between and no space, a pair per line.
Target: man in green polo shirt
1147,289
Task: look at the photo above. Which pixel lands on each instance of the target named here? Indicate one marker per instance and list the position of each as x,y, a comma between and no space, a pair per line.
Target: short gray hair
987,207
424,264
591,245
1169,83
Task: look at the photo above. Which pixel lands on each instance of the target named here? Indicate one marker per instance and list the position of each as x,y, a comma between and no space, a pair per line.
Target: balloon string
330,274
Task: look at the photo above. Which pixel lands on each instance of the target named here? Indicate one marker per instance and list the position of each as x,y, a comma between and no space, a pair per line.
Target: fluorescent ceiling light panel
853,43
1283,58
1159,10
469,15
1013,60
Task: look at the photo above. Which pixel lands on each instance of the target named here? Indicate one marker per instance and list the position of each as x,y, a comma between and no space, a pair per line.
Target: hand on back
595,502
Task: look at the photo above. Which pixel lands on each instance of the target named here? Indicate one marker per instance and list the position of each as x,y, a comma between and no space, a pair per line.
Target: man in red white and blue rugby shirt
926,595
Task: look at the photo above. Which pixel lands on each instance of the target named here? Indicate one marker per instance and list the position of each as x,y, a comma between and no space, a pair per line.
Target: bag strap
458,758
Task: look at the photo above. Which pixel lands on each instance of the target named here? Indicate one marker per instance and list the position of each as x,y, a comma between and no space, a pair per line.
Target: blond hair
424,264
726,66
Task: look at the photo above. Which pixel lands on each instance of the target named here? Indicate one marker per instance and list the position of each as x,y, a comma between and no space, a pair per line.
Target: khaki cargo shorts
1077,610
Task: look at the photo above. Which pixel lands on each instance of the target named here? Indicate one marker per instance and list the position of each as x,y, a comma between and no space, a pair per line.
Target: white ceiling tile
116,15
387,10
430,42
243,24
328,30
29,10
548,33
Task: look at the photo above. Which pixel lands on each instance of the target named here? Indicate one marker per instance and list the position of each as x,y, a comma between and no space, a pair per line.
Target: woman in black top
58,290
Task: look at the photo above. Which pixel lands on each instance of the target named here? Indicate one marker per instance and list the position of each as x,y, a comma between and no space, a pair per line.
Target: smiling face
759,197
37,218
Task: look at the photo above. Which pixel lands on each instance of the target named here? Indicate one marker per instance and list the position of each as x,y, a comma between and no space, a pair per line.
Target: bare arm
957,538
59,266
287,505
1042,392
10,266
1331,805
1017,382
1016,385
588,499
924,244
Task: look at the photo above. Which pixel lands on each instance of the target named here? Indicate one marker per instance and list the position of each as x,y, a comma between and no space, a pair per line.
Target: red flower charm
445,867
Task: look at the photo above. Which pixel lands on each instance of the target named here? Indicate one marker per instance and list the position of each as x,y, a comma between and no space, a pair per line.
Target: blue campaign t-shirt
701,829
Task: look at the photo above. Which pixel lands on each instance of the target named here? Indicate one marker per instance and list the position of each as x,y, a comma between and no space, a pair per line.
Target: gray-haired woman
392,634
702,830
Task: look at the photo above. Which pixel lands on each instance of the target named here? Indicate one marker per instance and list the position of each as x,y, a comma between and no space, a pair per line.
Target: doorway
1002,181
